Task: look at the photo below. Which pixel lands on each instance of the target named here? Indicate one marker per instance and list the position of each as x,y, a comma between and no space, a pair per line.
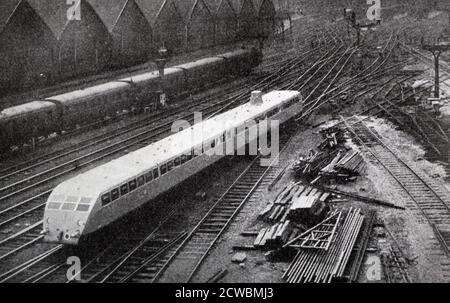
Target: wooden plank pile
277,235
344,167
296,202
324,266
295,205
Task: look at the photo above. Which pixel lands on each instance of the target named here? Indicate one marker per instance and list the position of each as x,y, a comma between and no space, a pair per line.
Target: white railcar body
96,198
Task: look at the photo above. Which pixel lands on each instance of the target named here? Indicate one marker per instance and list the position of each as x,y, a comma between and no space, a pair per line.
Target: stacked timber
276,235
344,167
325,265
296,202
307,208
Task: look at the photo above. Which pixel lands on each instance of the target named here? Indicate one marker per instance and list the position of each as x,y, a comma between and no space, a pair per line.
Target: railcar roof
151,75
26,108
89,91
94,182
241,51
200,62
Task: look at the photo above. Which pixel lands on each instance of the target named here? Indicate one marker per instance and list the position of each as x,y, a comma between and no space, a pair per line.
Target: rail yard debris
320,236
325,266
298,203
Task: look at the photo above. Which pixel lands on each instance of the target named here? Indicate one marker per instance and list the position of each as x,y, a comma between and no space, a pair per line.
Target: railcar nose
63,227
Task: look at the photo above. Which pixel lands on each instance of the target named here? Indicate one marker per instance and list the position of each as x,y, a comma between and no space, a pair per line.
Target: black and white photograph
225,142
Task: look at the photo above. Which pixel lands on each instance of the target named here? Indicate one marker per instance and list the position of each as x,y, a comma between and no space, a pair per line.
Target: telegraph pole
436,50
161,61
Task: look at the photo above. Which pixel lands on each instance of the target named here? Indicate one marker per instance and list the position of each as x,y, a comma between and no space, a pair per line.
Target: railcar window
72,199
169,165
54,205
58,197
141,180
69,206
163,169
106,199
177,161
272,112
132,185
148,177
83,207
85,200
155,173
183,159
124,189
115,194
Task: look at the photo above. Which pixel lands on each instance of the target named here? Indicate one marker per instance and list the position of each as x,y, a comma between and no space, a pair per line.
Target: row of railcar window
155,173
70,203
149,176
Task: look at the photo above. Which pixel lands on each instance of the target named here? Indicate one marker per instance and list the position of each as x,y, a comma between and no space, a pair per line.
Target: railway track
37,267
26,237
86,160
287,73
14,176
291,76
151,257
190,255
430,199
20,240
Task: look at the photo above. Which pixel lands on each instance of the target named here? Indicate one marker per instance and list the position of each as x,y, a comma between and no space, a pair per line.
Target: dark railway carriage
131,33
93,103
202,71
247,60
25,122
145,85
